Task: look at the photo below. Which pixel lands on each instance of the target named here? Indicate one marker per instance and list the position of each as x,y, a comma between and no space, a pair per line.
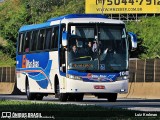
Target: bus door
63,44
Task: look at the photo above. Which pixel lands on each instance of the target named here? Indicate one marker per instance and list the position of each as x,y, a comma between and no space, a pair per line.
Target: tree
148,34
16,13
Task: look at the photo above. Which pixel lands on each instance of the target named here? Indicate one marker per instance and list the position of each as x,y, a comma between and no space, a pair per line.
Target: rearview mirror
64,38
132,39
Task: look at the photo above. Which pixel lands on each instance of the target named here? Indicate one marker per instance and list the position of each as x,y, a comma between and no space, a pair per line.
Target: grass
70,111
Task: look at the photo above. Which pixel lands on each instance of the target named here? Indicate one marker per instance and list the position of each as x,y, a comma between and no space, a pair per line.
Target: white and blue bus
72,55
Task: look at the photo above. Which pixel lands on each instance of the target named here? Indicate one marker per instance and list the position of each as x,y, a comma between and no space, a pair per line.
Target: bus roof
65,17
69,16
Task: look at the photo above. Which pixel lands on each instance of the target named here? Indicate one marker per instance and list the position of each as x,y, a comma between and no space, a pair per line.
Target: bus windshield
97,47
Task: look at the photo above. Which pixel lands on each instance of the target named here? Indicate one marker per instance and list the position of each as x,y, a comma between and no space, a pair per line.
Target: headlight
74,77
122,78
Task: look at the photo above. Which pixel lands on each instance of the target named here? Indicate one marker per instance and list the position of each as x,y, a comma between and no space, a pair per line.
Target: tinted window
34,40
27,41
48,38
21,42
41,40
54,43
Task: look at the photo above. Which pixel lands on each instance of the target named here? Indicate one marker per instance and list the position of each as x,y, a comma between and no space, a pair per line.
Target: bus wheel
79,97
39,97
71,97
30,96
112,97
61,96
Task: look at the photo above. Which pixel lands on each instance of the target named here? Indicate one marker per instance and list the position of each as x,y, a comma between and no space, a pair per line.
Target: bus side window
41,40
52,39
34,40
54,42
21,42
27,42
48,38
56,37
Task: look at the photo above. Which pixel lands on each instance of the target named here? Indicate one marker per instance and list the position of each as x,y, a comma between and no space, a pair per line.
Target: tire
75,97
30,96
71,97
79,97
39,97
112,97
61,96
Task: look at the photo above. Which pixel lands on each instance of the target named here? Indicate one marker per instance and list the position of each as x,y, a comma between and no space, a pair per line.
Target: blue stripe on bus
77,16
43,83
95,77
34,26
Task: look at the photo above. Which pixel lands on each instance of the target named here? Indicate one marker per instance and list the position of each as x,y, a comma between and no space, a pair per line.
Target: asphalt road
132,104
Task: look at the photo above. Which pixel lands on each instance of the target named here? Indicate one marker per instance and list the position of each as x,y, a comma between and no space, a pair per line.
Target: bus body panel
77,86
21,81
40,74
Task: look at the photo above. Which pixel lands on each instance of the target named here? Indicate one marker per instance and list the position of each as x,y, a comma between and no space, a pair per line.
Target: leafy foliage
147,30
16,13
13,16
6,61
